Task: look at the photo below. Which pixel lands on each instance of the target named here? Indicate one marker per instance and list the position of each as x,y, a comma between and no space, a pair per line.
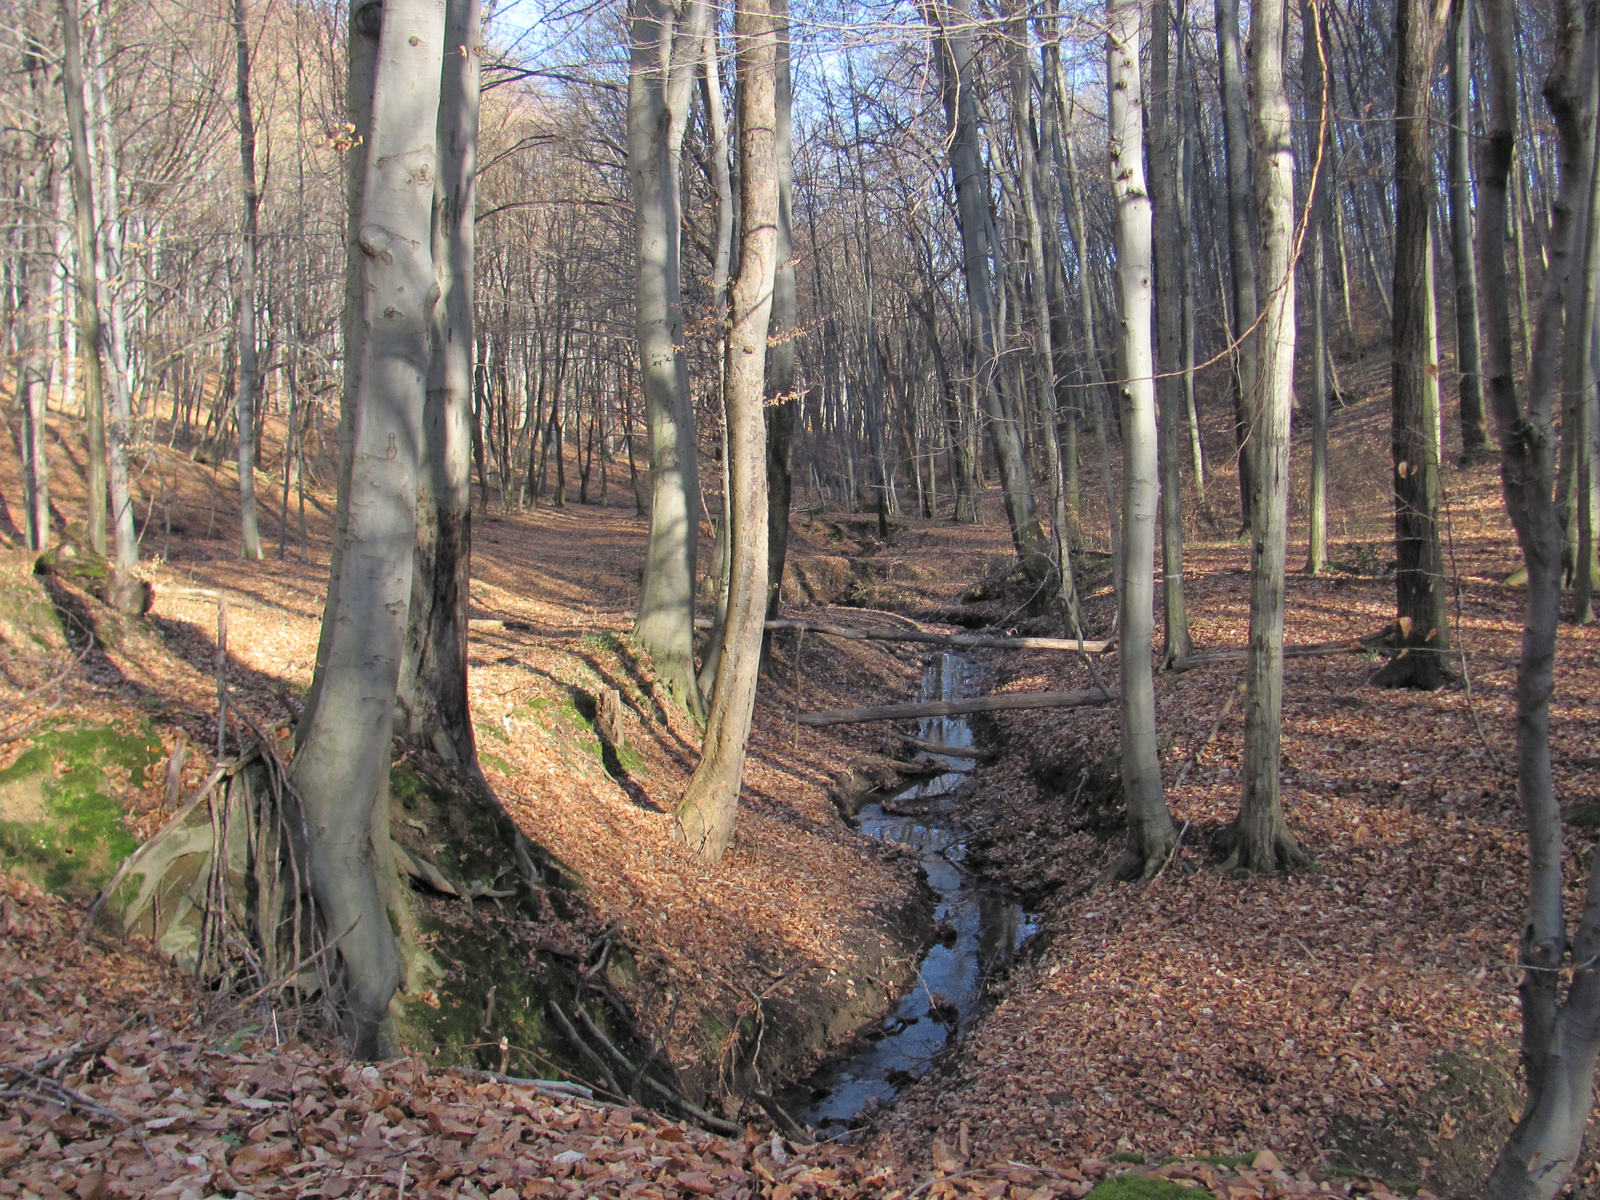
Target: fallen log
1371,641
940,748
969,641
963,641
1006,702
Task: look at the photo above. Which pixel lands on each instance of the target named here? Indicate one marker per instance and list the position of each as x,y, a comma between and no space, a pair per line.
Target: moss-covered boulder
62,804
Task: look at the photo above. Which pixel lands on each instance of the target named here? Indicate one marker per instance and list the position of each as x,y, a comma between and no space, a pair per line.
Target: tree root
1271,851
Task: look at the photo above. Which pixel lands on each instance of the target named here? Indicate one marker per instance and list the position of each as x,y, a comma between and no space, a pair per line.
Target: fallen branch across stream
966,641
963,641
1006,702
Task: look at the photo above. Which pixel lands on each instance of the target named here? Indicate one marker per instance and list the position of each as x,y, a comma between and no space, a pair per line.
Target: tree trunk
1469,353
1151,834
1027,151
1260,838
84,225
1559,1043
434,708
341,768
665,57
952,26
781,403
245,407
1319,120
1163,134
1420,579
1241,259
704,818
33,305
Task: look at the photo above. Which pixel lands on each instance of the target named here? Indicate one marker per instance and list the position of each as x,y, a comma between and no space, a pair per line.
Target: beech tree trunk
1319,121
1163,133
1260,837
1420,578
1559,1037
1241,257
665,56
781,403
1027,152
341,767
249,376
1151,834
1469,352
952,26
84,226
704,818
434,708
33,304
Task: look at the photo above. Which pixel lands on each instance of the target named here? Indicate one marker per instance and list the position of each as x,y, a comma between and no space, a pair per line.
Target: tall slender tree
704,818
1260,837
1424,633
666,45
1151,833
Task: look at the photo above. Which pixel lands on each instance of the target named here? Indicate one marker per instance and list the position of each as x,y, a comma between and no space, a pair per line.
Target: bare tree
1151,834
703,820
341,765
1259,837
666,47
1559,1039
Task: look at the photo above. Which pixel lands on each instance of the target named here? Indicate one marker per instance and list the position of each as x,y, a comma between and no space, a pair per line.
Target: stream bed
981,928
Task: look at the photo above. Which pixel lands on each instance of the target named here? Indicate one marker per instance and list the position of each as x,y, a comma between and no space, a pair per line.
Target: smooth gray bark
1151,834
1163,156
1260,837
1319,121
704,818
88,289
341,768
1027,152
33,382
1241,255
666,46
1469,352
249,375
952,26
434,708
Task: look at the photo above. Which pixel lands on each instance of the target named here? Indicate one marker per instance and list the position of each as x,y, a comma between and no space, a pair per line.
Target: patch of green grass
495,730
495,761
1128,1156
1140,1187
60,824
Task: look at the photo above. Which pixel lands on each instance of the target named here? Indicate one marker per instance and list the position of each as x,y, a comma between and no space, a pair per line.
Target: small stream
982,927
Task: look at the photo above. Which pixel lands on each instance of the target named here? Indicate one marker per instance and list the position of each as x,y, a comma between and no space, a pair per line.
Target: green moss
60,823
494,731
494,760
1448,1136
1140,1187
1128,1156
452,1021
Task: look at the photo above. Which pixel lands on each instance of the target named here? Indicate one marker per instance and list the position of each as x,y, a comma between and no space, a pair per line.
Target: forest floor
1354,1020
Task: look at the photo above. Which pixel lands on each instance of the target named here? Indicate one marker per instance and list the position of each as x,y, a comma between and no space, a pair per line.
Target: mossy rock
1134,1186
60,823
1448,1136
29,622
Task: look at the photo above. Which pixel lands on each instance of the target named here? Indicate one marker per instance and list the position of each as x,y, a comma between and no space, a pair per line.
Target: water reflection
981,926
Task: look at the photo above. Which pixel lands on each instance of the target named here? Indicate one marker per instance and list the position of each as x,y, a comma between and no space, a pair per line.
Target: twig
59,1093
1171,854
1216,726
